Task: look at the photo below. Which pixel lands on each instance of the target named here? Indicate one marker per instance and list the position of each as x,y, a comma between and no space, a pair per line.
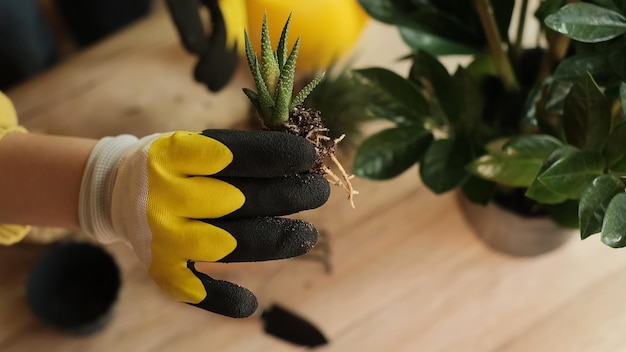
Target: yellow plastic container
329,28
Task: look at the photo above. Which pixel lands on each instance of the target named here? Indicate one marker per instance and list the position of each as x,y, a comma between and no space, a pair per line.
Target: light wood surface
408,273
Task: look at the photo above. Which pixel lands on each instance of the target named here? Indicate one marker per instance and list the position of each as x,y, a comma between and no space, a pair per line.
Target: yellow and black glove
214,196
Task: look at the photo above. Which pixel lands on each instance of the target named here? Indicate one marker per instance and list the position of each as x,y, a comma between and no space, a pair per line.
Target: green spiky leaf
266,103
304,93
284,89
269,66
254,98
281,51
274,77
250,55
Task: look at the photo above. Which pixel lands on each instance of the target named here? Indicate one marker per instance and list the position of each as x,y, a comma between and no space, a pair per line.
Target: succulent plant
274,76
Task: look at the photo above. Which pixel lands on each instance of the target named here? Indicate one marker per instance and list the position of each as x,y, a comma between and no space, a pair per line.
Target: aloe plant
274,75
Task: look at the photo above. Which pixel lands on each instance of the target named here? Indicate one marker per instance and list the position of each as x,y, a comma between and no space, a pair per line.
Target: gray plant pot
511,233
73,287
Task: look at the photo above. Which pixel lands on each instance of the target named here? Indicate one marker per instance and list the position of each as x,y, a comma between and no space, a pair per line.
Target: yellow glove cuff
8,117
10,234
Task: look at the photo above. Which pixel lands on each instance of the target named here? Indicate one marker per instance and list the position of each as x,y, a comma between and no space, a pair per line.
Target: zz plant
547,119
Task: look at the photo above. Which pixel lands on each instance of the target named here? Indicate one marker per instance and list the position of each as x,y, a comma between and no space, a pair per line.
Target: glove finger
212,197
280,196
264,153
223,297
267,238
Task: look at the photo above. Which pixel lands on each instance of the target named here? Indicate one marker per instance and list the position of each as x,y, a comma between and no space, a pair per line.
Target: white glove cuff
94,207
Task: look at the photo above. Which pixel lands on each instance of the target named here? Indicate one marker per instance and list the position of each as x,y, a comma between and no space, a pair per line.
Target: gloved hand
214,196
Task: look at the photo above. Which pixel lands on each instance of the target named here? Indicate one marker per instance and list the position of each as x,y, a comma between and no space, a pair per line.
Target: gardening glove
217,51
185,197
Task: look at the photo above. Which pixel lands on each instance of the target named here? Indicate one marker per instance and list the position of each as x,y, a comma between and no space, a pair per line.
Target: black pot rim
73,287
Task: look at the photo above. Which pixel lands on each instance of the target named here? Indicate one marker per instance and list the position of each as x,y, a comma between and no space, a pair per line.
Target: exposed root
344,181
308,124
347,185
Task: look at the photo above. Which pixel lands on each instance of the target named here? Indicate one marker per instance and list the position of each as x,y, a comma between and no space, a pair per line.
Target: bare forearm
40,179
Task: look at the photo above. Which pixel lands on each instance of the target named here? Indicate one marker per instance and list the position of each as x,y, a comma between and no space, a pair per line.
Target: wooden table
408,273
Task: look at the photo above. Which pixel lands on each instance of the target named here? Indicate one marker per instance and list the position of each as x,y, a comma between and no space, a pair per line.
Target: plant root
308,124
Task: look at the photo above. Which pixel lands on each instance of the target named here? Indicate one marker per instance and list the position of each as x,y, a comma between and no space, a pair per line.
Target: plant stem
517,50
492,33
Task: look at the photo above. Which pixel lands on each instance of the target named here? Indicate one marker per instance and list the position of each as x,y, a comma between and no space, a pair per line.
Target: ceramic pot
511,233
73,287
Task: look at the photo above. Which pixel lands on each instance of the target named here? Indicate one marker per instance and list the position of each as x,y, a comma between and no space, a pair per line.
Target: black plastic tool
288,326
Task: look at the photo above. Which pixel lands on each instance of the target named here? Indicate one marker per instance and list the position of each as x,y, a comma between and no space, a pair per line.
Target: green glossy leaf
506,170
532,110
469,100
571,174
616,56
390,152
555,96
397,93
459,20
618,168
586,115
615,148
482,66
429,73
443,166
478,190
442,23
385,11
532,146
518,162
564,214
541,117
594,201
537,190
417,38
542,194
441,27
587,22
572,68
614,225
379,108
